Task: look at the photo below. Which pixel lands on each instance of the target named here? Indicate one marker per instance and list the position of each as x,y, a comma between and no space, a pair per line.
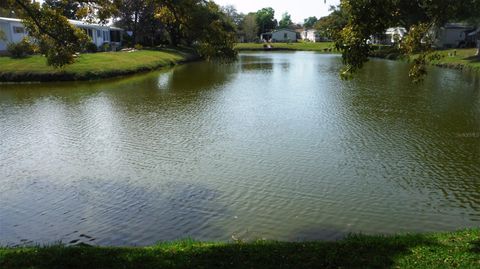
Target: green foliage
266,20
67,8
309,22
214,33
286,21
106,46
201,24
250,27
332,25
90,47
233,16
21,49
138,47
370,17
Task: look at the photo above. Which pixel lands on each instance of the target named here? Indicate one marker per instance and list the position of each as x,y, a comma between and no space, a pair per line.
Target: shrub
91,47
21,49
138,47
106,46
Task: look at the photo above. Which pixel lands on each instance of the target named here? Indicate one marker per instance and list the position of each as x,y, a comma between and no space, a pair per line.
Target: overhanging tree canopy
369,17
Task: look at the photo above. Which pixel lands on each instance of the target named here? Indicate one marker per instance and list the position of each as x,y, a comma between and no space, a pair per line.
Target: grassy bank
301,46
438,250
452,58
89,66
457,58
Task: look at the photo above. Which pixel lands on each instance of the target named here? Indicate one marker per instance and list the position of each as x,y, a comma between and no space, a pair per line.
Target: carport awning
474,32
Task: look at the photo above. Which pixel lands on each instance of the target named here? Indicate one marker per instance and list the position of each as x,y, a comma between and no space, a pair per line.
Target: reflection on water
274,146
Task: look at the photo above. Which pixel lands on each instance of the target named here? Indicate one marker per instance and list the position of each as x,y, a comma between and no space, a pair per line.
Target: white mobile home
14,31
312,36
391,36
281,35
452,35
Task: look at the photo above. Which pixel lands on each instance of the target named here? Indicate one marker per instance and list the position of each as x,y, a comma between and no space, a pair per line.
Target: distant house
241,37
280,35
391,36
452,35
14,31
312,36
473,38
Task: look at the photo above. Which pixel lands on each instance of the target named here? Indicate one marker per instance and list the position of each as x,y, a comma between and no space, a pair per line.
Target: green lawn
89,66
305,46
451,58
458,58
440,250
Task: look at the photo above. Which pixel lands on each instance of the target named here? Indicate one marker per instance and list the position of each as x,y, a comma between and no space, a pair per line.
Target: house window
285,35
18,30
115,36
89,32
99,33
106,36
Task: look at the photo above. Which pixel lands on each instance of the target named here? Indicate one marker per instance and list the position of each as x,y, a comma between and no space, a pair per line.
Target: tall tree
266,19
309,22
332,25
67,8
198,22
250,27
286,21
7,13
130,13
233,15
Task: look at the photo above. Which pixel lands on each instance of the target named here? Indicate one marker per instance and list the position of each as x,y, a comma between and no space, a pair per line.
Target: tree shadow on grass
475,246
473,59
356,251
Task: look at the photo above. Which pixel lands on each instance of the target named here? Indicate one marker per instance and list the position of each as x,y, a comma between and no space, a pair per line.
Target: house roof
284,29
396,31
10,19
457,26
473,33
73,22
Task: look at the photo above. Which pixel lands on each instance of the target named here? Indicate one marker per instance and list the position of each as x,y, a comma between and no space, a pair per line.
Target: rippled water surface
273,146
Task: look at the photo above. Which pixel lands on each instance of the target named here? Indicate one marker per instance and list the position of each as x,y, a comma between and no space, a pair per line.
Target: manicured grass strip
457,58
301,46
89,66
440,250
451,58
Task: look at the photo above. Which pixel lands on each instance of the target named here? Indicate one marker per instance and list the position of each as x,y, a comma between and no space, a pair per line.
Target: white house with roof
14,31
452,35
312,36
391,36
280,35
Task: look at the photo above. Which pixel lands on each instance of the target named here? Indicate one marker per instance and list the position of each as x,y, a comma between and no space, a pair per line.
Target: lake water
274,146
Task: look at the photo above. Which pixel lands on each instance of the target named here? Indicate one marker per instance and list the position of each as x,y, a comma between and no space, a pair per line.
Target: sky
298,9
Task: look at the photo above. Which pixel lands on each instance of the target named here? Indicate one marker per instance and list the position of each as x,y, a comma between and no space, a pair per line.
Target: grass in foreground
439,250
301,46
88,66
